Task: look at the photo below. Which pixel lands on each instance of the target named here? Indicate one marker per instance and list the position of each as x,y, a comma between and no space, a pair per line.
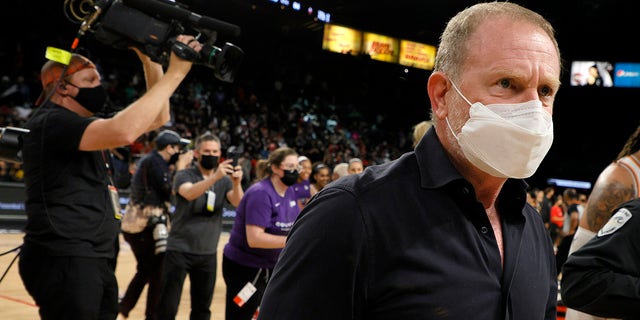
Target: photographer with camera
196,224
68,258
151,199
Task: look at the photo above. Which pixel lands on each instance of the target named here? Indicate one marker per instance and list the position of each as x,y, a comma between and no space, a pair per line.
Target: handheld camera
234,154
152,26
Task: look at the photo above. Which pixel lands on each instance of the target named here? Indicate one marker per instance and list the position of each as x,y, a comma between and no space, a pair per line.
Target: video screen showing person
592,73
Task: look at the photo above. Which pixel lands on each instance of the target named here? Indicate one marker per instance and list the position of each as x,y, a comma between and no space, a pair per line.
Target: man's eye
505,83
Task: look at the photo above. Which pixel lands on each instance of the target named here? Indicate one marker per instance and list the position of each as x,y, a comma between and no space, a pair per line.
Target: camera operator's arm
192,191
139,117
152,73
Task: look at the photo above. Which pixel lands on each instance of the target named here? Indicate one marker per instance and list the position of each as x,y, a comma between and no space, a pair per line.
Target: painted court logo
616,222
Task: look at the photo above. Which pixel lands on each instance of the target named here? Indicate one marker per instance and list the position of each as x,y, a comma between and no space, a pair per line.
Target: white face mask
506,140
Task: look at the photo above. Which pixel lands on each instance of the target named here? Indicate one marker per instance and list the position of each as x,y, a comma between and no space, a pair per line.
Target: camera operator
68,258
151,193
201,191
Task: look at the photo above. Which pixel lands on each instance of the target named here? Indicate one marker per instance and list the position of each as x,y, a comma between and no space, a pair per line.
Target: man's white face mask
506,140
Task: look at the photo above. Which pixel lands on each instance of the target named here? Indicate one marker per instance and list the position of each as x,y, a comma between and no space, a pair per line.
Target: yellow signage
341,39
380,47
417,55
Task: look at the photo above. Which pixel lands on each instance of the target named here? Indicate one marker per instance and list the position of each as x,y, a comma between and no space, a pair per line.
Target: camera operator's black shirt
68,205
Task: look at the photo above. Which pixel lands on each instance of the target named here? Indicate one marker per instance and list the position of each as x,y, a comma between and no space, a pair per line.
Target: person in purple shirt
264,218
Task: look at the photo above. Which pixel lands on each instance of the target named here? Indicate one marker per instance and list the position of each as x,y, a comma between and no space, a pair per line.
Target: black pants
148,270
202,276
69,287
236,277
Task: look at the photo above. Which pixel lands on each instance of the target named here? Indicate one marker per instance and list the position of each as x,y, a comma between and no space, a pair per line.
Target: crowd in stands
305,119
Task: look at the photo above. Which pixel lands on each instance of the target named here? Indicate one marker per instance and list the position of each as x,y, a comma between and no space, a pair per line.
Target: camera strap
113,191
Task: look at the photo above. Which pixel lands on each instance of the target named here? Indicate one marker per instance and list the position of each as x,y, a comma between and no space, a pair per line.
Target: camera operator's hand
178,64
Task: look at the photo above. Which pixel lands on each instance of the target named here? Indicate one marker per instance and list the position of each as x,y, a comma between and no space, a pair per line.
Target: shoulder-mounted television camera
152,26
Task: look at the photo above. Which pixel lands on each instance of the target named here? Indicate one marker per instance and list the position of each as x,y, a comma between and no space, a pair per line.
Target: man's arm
143,114
153,73
613,187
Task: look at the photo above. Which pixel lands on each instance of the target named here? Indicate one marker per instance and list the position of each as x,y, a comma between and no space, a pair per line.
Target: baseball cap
51,71
169,137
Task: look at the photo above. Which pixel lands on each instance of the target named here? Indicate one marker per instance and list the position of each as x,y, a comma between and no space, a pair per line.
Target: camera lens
160,233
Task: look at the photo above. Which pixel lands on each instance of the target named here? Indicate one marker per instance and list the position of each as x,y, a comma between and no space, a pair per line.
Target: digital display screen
627,75
591,74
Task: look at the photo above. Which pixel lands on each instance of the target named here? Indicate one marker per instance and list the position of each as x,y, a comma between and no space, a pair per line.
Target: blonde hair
419,130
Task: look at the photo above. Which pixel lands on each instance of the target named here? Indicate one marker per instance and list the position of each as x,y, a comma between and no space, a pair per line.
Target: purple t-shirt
262,206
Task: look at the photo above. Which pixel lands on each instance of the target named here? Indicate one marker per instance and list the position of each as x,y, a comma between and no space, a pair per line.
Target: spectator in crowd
263,220
557,219
303,186
201,192
545,205
371,245
355,166
569,226
68,257
320,177
616,184
340,170
418,131
532,198
261,170
151,192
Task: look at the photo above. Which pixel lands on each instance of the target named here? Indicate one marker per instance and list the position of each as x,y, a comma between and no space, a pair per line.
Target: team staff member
67,261
443,232
201,192
263,220
603,276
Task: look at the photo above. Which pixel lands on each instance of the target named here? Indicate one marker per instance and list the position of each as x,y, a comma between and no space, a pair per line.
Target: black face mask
290,177
92,99
208,162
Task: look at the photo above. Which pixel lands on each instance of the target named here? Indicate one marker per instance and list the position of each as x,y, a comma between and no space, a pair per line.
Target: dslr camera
152,26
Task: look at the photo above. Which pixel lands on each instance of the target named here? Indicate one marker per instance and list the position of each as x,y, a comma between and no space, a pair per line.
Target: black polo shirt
69,211
408,240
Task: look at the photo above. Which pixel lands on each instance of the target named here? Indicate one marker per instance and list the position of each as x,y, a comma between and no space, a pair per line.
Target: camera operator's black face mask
92,99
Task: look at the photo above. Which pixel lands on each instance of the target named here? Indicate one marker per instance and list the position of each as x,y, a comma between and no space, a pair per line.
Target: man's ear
437,87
